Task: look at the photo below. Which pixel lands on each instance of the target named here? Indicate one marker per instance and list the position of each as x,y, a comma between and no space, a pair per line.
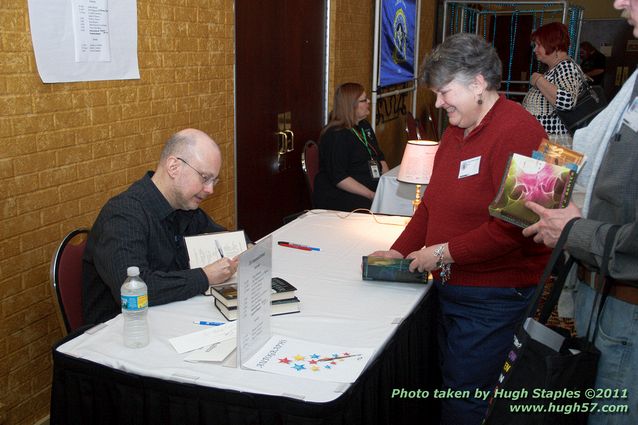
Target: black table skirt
84,392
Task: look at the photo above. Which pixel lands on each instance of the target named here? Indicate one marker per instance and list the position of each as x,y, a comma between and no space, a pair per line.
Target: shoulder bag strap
533,304
557,288
586,86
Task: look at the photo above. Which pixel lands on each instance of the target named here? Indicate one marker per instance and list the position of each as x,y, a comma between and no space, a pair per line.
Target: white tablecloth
394,197
337,308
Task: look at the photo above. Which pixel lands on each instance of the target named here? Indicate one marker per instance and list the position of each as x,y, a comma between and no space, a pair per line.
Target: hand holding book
220,271
552,221
390,269
546,179
217,255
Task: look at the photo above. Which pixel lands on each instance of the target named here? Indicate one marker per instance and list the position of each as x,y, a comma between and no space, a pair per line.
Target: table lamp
416,165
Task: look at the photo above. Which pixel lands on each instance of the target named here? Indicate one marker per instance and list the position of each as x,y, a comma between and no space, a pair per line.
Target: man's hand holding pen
221,270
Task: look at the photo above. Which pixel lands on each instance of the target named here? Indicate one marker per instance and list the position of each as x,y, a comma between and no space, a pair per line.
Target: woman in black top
350,160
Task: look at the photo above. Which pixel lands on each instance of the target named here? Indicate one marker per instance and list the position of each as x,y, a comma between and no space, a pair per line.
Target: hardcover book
529,179
210,247
390,269
277,308
227,295
557,154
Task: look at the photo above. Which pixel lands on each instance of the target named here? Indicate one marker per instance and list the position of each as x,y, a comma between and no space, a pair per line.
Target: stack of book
283,299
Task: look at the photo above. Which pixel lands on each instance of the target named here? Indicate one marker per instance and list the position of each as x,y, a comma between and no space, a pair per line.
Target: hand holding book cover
390,269
529,179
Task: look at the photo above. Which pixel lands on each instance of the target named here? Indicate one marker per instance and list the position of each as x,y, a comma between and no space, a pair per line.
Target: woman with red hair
350,159
559,86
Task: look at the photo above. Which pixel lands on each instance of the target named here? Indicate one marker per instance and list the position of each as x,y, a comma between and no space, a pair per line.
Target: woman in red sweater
484,269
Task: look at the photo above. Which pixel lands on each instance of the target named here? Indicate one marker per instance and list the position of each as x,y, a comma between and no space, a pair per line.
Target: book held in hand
209,247
558,154
277,308
528,179
390,269
227,294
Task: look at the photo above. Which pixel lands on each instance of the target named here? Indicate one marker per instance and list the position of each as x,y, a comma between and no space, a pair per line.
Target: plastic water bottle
134,297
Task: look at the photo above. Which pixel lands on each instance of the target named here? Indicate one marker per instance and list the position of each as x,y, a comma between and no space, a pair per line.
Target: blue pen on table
205,323
298,246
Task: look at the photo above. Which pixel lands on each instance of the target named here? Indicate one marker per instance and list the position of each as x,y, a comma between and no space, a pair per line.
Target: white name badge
469,167
630,118
375,171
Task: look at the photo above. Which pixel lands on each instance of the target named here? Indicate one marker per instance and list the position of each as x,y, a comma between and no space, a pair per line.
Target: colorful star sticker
284,360
298,367
299,357
315,368
315,356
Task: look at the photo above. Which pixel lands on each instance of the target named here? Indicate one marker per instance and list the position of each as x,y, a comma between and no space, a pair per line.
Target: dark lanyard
365,142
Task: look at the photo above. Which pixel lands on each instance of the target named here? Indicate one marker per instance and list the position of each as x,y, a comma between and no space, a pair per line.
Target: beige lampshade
417,162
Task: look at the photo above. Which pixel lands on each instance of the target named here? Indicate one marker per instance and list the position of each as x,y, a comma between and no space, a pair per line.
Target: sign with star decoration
305,359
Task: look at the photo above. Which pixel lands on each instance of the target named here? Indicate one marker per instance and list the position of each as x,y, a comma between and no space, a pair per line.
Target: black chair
310,164
413,128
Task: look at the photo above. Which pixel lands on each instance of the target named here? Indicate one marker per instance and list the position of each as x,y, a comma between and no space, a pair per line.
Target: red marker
297,246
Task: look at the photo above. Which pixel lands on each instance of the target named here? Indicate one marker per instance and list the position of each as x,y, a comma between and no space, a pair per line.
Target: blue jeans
616,339
476,327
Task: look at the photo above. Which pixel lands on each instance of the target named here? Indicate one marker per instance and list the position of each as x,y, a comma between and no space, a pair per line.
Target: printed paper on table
310,360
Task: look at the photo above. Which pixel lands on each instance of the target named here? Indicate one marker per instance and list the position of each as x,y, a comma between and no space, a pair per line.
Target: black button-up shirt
139,228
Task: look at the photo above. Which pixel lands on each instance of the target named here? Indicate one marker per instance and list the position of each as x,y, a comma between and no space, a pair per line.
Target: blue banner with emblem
398,22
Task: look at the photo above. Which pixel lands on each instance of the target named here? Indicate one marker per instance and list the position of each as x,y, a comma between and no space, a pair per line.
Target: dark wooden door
279,69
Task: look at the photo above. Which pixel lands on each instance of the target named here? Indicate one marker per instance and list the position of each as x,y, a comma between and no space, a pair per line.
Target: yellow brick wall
352,42
66,148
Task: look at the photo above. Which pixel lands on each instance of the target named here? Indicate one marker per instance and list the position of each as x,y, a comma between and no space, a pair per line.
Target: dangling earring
480,99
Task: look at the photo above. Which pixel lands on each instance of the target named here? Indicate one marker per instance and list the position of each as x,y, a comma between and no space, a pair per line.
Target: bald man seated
145,226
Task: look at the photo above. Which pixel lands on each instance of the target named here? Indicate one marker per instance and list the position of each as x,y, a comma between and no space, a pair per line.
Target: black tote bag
539,384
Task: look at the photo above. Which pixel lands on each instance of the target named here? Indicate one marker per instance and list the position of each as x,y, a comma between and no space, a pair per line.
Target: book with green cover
529,179
390,269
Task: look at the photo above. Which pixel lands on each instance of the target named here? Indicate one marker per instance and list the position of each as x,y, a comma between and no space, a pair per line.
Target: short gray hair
462,57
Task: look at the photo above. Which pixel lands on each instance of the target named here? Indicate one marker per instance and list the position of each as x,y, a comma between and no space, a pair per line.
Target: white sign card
311,360
253,299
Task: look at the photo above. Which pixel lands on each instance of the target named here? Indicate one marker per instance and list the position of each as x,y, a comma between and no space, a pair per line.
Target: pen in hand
219,248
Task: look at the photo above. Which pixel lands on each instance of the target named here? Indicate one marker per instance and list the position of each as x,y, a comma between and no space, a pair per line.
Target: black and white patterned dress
567,78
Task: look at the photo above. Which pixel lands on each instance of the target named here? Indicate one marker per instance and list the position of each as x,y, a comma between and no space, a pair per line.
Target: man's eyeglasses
206,180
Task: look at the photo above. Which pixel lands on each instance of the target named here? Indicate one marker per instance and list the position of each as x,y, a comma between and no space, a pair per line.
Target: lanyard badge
375,169
373,164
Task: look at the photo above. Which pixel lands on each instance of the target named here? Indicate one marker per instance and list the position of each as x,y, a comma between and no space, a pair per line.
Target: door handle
290,146
281,142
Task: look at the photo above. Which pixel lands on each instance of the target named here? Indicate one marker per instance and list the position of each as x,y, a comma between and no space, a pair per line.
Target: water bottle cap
133,271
